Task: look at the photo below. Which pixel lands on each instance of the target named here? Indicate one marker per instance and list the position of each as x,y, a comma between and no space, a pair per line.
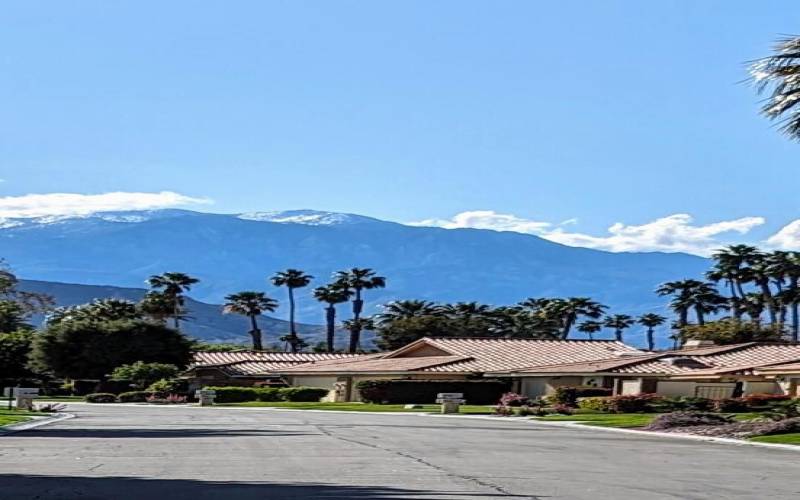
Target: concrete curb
36,422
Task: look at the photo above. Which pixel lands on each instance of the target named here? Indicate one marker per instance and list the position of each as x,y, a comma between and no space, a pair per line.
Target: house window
713,391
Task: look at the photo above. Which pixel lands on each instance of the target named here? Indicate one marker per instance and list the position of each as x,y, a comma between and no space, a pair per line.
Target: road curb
33,424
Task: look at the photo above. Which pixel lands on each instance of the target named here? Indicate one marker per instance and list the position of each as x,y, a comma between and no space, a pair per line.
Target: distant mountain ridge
234,252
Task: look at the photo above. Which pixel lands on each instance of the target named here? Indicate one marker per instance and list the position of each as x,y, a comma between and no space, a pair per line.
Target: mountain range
234,252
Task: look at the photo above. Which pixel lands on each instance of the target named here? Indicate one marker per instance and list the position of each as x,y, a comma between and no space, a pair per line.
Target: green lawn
793,438
605,419
14,416
624,420
467,409
60,399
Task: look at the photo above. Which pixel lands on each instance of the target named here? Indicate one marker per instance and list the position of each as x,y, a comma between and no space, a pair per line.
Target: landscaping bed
8,417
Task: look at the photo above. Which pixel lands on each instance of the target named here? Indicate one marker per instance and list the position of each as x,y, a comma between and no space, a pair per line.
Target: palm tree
173,286
569,310
403,309
619,322
357,325
651,321
468,316
781,72
784,269
158,307
697,295
292,279
331,294
590,327
252,305
357,280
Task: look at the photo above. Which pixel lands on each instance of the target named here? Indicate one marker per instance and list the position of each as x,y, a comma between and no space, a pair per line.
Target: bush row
641,403
268,394
476,392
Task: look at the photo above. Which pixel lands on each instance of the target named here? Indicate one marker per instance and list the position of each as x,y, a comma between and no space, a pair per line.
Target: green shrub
568,395
101,397
303,394
763,401
635,403
683,403
477,392
167,386
600,403
270,394
267,394
728,405
133,397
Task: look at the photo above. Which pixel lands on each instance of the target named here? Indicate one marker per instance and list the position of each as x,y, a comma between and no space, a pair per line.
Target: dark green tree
331,295
651,321
173,286
356,280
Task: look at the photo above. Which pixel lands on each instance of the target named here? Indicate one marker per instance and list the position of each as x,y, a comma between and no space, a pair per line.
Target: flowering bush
569,395
756,401
687,419
635,403
503,411
514,399
562,409
600,404
171,399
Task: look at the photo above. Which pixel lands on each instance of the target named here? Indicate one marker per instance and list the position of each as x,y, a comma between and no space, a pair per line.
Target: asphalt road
141,452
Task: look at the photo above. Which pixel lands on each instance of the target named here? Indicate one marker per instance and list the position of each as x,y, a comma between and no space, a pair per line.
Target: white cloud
674,233
788,238
487,219
66,204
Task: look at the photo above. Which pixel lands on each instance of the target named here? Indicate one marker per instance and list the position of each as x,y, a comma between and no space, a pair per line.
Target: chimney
695,343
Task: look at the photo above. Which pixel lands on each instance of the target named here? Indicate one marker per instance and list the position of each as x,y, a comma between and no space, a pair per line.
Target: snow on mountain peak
306,217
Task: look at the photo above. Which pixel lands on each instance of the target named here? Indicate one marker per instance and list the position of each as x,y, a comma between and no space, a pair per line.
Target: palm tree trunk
330,317
650,343
355,331
176,312
700,317
771,309
255,332
618,334
292,330
683,317
567,327
737,307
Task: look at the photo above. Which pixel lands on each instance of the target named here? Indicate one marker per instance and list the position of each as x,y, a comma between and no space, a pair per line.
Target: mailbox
450,401
23,395
206,397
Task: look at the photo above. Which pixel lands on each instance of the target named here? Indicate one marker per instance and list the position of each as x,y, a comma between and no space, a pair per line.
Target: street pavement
176,453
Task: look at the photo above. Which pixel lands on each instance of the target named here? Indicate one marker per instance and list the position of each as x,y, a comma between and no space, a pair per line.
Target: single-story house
453,359
246,368
696,370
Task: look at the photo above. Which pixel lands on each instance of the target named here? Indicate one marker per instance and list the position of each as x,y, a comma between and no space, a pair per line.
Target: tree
619,322
394,334
519,322
779,75
13,316
590,327
173,286
158,307
784,269
699,296
331,295
92,349
252,305
141,374
357,280
651,321
15,347
292,279
569,310
403,309
97,310
731,331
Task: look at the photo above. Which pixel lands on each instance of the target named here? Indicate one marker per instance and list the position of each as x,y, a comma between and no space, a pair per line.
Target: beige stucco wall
768,387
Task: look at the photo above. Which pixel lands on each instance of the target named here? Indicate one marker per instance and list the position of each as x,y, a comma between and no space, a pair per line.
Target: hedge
134,397
267,394
568,395
477,392
101,397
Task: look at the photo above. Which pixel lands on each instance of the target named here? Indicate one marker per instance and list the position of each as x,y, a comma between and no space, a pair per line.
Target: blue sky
594,113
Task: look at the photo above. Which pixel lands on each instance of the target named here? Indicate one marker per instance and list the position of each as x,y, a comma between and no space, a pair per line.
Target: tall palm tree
784,269
331,294
292,279
619,322
780,72
357,280
173,286
569,310
651,321
252,305
699,296
468,316
590,327
158,307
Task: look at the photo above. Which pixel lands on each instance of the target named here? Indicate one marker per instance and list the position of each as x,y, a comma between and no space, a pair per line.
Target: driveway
176,453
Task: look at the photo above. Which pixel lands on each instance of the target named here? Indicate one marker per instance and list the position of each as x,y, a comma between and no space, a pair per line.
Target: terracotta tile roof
221,358
249,363
709,361
473,355
377,365
779,368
